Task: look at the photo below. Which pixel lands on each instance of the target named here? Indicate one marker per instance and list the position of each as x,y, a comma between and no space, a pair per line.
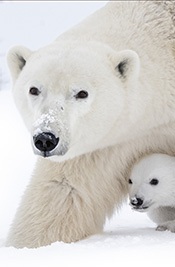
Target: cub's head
152,182
72,96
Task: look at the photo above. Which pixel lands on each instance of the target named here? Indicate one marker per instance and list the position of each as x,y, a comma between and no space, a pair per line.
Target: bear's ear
128,65
16,59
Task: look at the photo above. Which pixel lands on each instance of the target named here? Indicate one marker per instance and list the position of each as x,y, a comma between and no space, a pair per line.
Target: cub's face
152,183
70,99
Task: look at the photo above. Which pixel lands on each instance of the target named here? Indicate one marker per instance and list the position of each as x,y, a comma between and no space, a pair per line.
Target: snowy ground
129,238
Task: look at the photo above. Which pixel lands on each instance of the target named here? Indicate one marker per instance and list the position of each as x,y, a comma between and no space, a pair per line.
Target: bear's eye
81,94
34,91
154,181
130,181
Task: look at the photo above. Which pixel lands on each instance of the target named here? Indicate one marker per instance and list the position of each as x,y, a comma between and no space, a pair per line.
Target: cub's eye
130,181
81,94
34,91
154,181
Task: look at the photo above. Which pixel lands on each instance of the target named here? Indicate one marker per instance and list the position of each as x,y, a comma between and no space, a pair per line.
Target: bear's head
152,182
73,97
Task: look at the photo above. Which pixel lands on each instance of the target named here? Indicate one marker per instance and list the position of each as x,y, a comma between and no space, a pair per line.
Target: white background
129,238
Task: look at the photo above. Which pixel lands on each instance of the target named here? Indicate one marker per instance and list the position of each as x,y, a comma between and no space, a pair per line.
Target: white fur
128,112
159,199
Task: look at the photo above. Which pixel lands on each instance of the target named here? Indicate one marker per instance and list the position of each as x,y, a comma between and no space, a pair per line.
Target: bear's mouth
51,154
141,209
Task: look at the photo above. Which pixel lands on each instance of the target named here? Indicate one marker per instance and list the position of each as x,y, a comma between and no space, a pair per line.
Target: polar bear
152,189
94,101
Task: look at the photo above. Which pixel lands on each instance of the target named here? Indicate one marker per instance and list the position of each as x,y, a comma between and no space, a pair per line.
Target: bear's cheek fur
22,103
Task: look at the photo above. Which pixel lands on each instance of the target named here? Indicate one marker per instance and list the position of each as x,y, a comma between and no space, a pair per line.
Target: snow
45,119
129,238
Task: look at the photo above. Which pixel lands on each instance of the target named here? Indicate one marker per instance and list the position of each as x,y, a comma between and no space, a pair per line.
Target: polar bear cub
152,189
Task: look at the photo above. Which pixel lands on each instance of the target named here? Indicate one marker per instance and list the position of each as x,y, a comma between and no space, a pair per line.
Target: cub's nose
45,142
137,202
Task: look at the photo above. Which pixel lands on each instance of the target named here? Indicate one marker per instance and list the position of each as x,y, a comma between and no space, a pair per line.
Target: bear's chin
58,158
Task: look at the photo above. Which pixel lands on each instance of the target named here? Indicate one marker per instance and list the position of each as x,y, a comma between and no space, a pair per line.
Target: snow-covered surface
129,238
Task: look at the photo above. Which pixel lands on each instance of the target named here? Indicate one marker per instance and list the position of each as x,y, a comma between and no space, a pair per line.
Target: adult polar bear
95,100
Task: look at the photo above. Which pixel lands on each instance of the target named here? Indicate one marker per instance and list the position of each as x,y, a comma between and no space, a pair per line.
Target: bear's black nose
137,202
45,142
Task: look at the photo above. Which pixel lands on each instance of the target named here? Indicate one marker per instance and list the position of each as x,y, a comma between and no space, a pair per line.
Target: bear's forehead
53,77
153,167
77,55
63,71
67,64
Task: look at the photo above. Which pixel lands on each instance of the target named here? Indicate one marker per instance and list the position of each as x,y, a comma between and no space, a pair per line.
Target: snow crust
45,119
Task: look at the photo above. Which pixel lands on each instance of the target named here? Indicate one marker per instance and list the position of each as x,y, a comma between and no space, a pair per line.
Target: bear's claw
170,226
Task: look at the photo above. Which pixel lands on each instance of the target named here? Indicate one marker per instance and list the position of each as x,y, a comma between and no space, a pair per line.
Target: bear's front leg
169,225
55,208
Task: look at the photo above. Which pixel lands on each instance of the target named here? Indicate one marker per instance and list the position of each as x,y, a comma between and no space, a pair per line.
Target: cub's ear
16,59
127,65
